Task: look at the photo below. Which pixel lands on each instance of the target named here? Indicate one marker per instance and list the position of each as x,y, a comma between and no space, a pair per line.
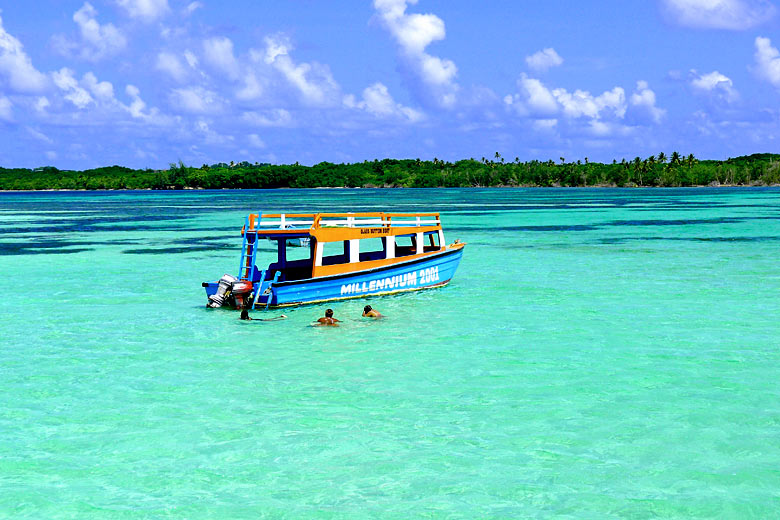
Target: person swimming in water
368,312
328,319
245,315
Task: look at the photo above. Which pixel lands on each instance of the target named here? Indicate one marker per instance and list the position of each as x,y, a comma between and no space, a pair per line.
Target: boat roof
332,227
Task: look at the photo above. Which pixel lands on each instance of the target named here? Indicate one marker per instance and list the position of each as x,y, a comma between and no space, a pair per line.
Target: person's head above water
329,313
366,309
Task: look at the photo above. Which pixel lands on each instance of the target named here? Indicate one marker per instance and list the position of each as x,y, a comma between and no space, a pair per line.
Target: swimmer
328,320
368,312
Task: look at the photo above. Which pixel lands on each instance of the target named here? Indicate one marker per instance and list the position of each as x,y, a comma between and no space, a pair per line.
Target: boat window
371,249
405,245
297,249
335,253
432,241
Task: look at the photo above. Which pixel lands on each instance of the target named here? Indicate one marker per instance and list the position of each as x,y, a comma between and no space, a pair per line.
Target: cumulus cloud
171,65
16,68
413,33
581,103
610,113
95,41
643,101
191,8
767,58
76,94
37,134
718,14
255,141
146,10
536,99
196,100
218,52
378,101
543,60
714,84
101,90
6,109
313,81
276,117
137,106
41,104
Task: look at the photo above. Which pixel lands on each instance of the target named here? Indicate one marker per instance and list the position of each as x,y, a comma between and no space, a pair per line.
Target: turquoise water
600,353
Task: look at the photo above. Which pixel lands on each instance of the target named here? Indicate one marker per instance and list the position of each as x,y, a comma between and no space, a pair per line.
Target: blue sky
144,83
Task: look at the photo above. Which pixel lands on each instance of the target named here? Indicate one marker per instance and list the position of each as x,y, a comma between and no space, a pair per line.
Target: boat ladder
248,249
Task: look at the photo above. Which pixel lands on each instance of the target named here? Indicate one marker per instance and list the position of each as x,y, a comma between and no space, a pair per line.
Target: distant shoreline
675,170
748,186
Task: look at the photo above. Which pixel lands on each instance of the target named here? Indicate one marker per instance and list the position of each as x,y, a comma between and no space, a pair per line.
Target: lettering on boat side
426,276
375,231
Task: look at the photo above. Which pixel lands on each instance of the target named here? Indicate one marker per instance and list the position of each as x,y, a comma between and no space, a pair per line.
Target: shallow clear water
599,354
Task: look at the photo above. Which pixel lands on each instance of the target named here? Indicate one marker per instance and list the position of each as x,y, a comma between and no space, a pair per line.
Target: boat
347,255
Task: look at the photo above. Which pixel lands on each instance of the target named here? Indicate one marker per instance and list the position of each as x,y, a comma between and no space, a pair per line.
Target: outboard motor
223,291
240,292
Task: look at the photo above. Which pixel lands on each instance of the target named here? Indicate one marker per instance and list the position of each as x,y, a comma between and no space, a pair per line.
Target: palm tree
661,157
691,160
675,160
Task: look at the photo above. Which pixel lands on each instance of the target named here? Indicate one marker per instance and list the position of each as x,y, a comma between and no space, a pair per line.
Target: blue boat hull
422,273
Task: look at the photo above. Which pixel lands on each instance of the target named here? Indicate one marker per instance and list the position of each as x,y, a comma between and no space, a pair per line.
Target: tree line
661,171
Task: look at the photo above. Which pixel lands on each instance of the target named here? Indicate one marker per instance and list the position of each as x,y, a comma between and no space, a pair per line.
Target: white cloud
537,97
39,135
579,112
767,61
414,32
65,81
545,124
137,106
6,109
313,81
378,101
96,41
147,10
41,104
210,136
196,100
192,60
253,87
192,7
218,52
102,90
543,60
643,101
255,141
719,14
171,65
714,83
536,100
16,67
276,117
581,103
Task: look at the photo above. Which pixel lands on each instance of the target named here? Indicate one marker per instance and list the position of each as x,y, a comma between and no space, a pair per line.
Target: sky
146,83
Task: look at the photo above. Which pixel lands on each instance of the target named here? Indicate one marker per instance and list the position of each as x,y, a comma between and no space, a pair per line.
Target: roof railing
350,220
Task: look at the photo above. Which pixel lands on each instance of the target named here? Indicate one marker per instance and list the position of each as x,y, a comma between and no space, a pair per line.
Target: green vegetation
675,170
